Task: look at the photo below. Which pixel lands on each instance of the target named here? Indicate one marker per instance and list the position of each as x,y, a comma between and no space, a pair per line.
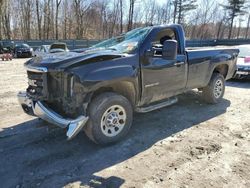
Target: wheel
215,89
110,118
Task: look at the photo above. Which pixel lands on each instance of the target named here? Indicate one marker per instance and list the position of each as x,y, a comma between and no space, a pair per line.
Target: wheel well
222,69
124,88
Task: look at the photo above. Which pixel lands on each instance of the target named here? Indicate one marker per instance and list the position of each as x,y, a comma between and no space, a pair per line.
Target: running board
168,102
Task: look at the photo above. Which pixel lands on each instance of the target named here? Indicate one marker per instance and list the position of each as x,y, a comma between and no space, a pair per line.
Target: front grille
37,85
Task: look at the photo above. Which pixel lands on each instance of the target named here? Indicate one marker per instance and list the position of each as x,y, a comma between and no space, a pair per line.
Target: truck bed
202,60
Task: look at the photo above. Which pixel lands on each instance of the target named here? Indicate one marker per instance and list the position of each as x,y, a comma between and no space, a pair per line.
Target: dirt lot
190,144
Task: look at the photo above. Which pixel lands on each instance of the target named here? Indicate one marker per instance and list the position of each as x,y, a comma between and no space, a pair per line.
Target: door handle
179,63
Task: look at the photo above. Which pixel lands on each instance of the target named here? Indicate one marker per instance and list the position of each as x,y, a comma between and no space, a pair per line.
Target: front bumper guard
38,109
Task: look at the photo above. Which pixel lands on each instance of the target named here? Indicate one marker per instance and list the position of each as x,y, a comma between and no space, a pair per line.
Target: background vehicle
6,46
41,50
22,50
58,47
243,62
143,70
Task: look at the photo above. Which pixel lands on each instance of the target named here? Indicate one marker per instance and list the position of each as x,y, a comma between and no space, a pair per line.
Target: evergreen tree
181,7
234,9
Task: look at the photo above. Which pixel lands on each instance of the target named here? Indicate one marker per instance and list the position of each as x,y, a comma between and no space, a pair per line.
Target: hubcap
113,120
218,89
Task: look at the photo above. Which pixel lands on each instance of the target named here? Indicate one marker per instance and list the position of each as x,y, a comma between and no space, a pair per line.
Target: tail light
247,59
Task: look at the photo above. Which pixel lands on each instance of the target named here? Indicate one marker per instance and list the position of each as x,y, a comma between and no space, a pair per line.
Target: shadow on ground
34,157
239,83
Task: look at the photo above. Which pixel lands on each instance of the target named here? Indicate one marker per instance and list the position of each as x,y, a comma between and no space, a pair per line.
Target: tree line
98,19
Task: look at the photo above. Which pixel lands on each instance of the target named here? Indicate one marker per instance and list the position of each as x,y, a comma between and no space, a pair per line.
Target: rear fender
223,64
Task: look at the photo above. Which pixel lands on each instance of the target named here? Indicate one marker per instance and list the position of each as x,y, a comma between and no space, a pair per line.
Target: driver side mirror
169,50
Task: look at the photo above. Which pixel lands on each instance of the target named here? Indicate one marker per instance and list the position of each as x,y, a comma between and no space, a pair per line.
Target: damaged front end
55,98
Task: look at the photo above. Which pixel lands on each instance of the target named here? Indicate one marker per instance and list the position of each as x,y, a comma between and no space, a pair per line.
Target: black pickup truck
139,71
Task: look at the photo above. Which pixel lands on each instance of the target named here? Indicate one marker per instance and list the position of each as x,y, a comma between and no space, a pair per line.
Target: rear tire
215,89
110,118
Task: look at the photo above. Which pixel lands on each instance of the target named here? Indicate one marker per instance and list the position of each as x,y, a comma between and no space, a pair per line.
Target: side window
160,38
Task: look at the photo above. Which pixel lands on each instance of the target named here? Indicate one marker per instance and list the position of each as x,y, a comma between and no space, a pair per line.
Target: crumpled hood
54,58
60,61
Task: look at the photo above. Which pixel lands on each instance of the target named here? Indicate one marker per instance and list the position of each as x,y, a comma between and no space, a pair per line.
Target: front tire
110,118
215,89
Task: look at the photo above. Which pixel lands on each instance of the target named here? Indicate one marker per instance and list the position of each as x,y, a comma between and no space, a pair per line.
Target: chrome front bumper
38,109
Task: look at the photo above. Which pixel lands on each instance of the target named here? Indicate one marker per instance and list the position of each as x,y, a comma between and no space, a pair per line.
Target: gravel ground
190,144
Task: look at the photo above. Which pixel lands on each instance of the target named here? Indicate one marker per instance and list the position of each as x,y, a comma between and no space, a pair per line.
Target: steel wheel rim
113,120
218,89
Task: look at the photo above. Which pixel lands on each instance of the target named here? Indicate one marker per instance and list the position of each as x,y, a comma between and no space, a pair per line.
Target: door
162,78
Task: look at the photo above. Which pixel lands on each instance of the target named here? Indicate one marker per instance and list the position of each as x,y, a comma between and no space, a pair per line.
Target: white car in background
243,62
56,47
41,50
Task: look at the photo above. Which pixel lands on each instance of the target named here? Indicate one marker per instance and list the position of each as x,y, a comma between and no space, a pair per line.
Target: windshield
124,43
58,46
244,51
22,46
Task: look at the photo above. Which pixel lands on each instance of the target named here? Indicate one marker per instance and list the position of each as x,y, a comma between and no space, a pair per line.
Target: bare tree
181,7
80,8
121,16
26,16
98,19
39,19
1,13
47,19
248,25
131,14
5,19
58,2
247,18
65,7
175,3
